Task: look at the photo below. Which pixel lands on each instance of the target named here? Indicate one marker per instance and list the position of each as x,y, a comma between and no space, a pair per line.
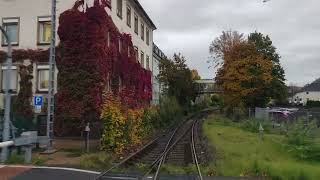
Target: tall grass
240,152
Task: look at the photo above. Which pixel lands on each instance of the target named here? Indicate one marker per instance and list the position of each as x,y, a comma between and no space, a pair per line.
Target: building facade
157,56
28,24
310,92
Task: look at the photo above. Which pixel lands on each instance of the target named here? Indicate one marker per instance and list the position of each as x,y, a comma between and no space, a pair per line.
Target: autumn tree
244,74
277,89
195,74
224,44
177,79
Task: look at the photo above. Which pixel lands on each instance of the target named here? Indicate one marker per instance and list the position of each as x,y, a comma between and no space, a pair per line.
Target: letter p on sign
38,100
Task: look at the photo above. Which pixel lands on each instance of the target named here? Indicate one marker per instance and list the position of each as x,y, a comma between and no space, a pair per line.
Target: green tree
177,79
277,89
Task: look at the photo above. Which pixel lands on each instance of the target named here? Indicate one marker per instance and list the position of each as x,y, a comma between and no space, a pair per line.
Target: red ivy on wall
93,55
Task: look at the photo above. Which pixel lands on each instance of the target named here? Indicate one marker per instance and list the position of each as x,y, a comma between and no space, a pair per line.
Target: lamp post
6,122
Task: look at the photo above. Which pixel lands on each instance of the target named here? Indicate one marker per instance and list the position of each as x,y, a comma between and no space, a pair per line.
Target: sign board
37,101
37,109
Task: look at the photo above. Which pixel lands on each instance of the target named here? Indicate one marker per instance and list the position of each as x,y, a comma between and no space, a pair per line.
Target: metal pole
6,123
50,115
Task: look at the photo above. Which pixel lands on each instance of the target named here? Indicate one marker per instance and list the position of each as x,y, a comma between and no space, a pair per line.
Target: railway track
180,146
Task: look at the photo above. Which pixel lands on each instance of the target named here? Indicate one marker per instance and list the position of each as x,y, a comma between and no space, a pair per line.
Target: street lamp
6,122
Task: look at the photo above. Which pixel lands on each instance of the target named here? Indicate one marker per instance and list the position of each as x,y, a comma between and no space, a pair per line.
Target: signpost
37,102
7,111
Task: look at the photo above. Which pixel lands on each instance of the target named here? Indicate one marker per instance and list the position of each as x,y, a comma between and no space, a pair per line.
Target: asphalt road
50,173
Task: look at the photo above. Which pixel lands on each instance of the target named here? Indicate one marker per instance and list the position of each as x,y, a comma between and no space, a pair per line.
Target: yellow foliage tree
114,123
244,73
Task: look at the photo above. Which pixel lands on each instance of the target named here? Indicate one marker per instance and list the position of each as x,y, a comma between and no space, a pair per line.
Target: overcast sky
188,26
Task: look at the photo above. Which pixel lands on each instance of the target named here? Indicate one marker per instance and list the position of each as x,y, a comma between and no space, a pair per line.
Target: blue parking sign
37,100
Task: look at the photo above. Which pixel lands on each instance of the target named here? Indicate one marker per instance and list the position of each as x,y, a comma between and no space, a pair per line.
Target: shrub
114,126
300,142
134,126
216,100
170,111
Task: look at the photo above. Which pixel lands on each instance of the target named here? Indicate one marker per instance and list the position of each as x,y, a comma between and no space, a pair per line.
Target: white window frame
136,52
129,16
142,31
39,68
148,36
120,8
142,58
40,21
13,67
10,20
148,62
136,23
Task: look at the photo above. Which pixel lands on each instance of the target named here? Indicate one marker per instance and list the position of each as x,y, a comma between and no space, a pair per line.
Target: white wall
305,96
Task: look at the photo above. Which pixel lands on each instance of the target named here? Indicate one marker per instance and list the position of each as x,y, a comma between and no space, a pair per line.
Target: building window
44,30
119,8
129,16
43,77
129,51
108,39
11,26
148,36
148,63
142,31
136,53
13,78
142,59
120,45
136,24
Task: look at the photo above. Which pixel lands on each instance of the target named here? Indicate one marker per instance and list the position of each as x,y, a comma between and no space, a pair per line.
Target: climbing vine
92,57
95,56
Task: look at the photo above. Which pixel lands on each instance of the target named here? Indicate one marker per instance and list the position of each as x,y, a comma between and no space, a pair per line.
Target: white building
28,24
158,55
310,92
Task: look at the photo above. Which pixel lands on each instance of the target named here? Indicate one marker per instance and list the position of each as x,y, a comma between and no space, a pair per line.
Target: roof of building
314,86
157,51
206,81
145,14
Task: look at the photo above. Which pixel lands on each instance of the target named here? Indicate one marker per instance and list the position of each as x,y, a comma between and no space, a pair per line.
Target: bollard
27,154
87,137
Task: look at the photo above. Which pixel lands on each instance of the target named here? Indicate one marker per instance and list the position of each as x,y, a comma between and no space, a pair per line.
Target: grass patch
16,159
97,161
241,153
173,169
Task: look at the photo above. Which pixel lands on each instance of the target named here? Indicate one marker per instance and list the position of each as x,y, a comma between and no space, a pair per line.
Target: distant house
311,92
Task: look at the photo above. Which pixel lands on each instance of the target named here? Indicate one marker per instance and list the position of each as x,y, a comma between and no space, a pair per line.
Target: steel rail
163,156
127,159
194,152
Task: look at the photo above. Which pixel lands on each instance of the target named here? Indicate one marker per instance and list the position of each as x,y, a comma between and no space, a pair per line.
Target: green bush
170,112
301,143
311,104
216,100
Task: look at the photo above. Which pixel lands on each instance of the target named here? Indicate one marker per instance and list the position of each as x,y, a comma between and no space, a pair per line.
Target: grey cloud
188,26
